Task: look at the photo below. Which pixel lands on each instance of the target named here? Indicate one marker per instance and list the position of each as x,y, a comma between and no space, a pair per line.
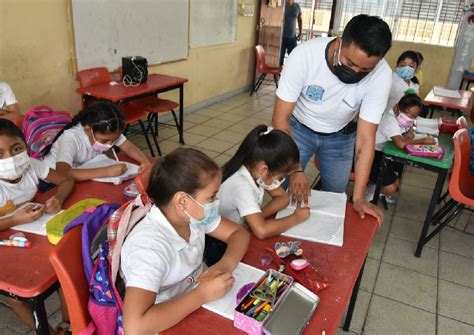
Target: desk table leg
39,316
355,292
181,114
429,214
379,178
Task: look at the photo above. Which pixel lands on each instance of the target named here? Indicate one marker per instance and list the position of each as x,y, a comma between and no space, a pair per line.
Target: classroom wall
436,66
35,57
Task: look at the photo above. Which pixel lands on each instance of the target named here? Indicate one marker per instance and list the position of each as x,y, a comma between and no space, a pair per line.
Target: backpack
40,126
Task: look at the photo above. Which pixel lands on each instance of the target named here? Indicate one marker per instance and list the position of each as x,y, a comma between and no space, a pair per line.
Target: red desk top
26,272
115,93
461,104
340,265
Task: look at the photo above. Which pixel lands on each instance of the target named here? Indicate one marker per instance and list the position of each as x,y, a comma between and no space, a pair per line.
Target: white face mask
14,167
273,186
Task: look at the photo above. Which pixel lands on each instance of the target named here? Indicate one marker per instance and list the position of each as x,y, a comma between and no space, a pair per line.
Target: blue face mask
405,72
211,212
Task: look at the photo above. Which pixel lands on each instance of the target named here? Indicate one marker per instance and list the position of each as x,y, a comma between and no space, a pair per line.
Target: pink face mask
100,147
404,121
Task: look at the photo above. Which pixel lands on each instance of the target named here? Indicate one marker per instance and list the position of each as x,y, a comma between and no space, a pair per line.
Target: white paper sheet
444,92
103,161
427,126
243,274
36,227
326,222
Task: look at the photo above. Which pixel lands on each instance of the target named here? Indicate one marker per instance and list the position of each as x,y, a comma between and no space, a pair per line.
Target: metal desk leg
379,177
355,292
429,214
181,114
39,316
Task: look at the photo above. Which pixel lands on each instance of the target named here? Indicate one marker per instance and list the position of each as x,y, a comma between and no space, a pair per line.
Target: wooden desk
26,273
156,83
440,166
341,265
454,105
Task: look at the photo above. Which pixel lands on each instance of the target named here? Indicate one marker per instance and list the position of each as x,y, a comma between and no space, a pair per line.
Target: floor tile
369,277
241,128
457,242
221,107
410,230
215,145
210,153
453,327
219,123
377,246
402,253
412,203
208,112
426,181
360,312
406,286
229,136
339,331
391,317
9,322
232,117
189,138
456,301
195,118
455,268
222,159
233,150
202,130
252,122
168,146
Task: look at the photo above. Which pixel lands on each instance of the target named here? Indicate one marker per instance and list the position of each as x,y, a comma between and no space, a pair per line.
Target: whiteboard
212,22
107,30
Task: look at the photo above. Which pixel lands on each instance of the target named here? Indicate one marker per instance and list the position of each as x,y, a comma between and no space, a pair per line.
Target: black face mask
344,72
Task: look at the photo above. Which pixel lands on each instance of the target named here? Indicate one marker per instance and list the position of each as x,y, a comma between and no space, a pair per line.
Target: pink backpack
40,126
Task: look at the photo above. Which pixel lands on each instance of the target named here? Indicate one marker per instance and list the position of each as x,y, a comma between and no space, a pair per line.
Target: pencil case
290,313
55,226
425,150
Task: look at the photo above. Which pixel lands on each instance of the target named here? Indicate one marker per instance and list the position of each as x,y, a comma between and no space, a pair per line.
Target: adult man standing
289,39
325,83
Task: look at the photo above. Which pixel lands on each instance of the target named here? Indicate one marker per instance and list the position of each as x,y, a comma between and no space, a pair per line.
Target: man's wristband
297,171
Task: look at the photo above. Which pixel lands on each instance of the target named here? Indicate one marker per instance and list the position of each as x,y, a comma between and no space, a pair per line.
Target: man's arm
300,26
364,156
281,115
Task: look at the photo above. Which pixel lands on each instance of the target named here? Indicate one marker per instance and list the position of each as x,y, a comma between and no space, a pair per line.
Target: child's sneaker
389,200
369,192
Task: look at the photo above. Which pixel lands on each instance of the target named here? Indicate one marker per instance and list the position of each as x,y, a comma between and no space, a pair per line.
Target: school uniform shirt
27,187
74,148
397,91
6,95
323,102
240,196
388,128
155,258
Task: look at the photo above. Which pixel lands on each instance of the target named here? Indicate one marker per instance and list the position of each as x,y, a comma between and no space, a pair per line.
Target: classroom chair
462,123
264,69
133,115
66,259
461,183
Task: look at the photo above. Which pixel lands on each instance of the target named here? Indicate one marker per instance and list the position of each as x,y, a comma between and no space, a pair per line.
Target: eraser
299,264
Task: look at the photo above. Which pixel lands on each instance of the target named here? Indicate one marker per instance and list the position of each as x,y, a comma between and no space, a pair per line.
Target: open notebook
243,274
446,92
326,222
427,126
103,161
36,227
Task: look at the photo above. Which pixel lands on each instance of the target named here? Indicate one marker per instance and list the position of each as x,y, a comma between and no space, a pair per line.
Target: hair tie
269,129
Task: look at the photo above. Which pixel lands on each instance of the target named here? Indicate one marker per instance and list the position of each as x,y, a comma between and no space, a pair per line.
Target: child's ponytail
274,147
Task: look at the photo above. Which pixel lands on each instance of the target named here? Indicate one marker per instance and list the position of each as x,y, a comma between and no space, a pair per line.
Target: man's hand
362,206
298,37
299,189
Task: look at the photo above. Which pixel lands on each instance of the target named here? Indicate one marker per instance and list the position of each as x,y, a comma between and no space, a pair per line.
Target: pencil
115,155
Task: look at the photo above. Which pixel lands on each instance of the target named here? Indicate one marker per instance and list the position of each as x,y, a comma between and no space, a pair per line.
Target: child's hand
429,140
143,166
116,169
215,288
28,214
301,213
409,135
52,205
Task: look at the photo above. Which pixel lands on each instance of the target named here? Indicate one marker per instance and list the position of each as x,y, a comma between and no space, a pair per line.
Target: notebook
103,161
243,274
427,126
445,92
326,222
36,227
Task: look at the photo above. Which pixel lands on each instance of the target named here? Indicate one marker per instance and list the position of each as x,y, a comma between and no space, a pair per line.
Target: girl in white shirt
19,179
260,165
91,132
396,126
9,108
407,65
165,249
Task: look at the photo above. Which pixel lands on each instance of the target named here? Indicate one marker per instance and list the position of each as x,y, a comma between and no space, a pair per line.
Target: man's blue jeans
334,152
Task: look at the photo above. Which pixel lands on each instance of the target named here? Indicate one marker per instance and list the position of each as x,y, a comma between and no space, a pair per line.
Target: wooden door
270,29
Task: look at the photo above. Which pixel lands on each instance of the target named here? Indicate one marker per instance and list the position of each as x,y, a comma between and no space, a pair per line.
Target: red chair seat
132,113
461,183
153,104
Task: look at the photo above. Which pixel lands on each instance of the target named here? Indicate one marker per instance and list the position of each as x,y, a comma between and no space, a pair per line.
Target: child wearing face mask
92,132
19,179
407,65
396,125
165,249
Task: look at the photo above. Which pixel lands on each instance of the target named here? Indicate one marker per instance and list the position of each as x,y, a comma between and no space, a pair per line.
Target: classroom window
434,22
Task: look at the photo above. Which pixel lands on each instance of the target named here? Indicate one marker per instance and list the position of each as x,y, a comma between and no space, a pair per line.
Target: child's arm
237,239
132,151
10,112
24,215
280,200
115,170
65,187
400,142
142,316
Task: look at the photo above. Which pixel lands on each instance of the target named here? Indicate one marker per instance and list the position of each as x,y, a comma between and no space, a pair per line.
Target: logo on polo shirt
315,92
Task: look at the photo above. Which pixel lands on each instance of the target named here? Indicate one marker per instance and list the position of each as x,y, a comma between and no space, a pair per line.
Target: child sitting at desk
165,249
92,132
396,125
19,179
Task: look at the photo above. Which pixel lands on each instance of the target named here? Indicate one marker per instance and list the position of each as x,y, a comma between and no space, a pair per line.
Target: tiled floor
400,294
